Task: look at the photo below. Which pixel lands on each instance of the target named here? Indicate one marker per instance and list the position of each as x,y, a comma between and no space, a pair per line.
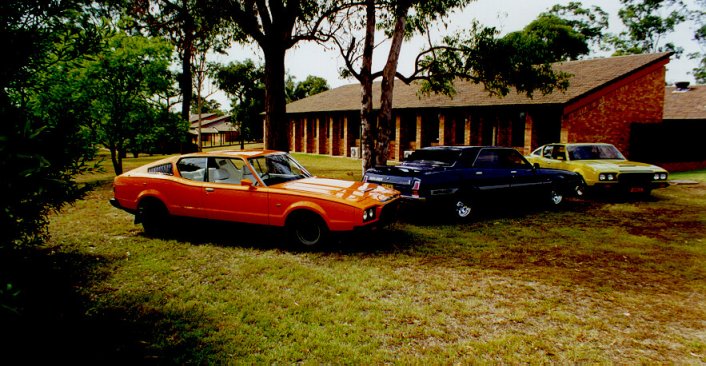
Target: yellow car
602,166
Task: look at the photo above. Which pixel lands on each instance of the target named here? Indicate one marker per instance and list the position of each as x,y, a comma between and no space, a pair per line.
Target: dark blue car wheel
462,208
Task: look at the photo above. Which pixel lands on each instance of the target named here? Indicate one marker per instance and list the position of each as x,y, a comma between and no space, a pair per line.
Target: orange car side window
192,168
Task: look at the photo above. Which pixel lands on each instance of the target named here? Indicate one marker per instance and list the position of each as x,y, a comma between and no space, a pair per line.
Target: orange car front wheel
306,229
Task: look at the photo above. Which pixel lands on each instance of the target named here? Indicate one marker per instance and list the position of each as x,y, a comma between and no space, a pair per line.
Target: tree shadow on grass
49,318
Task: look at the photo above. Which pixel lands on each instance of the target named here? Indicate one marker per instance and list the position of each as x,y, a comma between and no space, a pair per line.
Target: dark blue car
459,177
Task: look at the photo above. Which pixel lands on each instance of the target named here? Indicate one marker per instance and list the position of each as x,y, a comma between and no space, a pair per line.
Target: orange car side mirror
246,182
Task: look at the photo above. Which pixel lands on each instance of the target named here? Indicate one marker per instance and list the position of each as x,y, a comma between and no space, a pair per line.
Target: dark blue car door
525,179
488,174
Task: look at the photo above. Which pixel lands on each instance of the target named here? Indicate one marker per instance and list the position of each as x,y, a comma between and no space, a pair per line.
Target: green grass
598,281
699,175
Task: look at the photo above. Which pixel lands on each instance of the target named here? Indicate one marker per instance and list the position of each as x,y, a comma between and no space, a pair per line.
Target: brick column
293,135
346,141
398,138
529,133
564,136
442,129
467,130
317,136
418,141
332,137
305,135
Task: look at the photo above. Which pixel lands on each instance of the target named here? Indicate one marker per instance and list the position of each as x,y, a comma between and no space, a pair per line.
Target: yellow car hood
621,166
340,189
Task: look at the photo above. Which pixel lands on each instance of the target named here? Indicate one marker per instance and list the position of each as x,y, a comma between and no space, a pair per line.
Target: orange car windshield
278,168
594,152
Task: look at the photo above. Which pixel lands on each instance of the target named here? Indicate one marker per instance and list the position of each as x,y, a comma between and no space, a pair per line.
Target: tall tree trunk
186,81
384,128
276,131
116,152
367,115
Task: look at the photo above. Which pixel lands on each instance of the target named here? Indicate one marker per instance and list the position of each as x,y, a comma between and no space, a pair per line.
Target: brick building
677,142
606,98
215,130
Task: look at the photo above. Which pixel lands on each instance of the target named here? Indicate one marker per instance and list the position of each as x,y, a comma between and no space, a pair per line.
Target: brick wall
606,116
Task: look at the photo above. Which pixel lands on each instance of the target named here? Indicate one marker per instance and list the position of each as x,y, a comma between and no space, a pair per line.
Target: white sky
507,15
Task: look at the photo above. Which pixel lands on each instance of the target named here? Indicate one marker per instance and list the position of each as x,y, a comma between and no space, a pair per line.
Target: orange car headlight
369,214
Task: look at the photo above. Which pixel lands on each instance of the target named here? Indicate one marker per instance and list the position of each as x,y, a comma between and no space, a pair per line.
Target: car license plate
637,189
387,185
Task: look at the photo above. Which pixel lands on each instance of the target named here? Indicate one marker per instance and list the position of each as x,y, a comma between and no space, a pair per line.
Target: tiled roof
204,116
690,104
588,75
212,119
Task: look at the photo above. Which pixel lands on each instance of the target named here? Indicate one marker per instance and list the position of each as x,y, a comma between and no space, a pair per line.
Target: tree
41,148
244,84
310,86
591,23
699,15
276,26
648,22
566,32
192,27
478,55
122,82
208,106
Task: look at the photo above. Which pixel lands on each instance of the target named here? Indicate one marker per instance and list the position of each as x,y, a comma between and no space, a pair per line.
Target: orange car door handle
210,189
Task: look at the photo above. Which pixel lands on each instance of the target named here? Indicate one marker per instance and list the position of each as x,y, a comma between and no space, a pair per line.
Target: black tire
580,189
154,217
462,209
306,230
555,197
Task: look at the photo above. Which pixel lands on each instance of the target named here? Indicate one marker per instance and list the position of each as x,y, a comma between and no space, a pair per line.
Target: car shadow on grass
442,216
386,239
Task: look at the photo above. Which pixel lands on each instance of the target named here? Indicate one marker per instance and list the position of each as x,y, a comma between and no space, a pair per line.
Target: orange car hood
340,189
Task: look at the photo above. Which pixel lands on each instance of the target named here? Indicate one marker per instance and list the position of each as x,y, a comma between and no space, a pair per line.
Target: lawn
597,281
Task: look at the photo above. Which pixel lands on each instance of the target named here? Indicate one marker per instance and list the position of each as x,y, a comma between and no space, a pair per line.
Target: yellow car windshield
594,152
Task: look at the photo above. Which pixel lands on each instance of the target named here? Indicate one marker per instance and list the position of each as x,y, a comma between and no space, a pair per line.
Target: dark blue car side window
500,159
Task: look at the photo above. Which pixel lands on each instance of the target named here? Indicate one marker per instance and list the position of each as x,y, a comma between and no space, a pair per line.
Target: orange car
256,187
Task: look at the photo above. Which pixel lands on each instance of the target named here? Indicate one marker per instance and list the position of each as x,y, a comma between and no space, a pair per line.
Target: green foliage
208,106
589,22
517,60
555,36
193,27
700,16
121,82
310,86
42,145
244,83
568,31
647,22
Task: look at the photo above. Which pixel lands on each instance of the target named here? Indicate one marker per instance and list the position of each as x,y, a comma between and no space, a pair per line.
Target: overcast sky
506,15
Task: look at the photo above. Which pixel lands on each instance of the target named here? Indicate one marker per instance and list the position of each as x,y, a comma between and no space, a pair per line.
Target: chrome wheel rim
462,209
308,234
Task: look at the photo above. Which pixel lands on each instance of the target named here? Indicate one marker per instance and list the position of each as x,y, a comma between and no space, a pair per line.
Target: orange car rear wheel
153,215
